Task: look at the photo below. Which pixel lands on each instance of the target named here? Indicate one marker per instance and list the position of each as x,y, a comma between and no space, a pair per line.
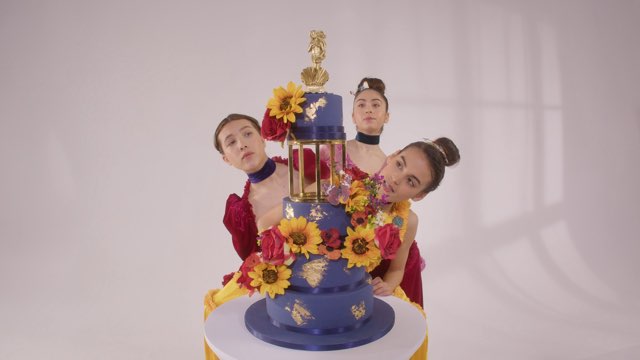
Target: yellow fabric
209,306
421,353
400,209
217,297
232,290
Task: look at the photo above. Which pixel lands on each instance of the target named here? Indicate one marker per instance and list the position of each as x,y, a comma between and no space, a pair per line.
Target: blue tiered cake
327,306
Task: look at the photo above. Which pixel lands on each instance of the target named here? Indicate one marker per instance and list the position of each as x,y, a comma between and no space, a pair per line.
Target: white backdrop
112,194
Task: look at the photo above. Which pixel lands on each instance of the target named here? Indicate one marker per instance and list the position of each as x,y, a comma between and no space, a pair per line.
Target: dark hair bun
452,154
372,83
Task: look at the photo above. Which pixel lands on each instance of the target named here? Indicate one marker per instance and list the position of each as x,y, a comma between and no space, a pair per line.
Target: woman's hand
381,288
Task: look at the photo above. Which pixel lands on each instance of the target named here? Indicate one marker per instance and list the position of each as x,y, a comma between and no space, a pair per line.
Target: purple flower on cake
337,194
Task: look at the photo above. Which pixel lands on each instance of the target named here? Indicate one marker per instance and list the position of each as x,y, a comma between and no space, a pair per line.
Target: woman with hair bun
410,174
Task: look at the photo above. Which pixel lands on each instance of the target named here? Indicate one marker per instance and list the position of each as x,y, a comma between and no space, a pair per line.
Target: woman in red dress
238,139
410,173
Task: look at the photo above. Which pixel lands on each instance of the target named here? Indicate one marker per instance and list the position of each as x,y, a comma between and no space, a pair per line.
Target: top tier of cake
321,118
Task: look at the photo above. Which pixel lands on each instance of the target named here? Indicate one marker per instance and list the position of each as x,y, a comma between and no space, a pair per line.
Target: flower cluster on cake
372,235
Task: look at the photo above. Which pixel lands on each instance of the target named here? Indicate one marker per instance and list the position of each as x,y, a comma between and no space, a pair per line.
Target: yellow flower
358,198
272,279
286,103
402,207
398,215
360,248
302,236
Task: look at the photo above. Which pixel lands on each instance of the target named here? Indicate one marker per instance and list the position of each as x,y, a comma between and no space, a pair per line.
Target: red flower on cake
275,249
359,218
331,237
247,266
330,246
388,240
330,252
274,129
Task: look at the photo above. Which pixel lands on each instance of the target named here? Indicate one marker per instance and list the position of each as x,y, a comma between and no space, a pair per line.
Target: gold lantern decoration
319,135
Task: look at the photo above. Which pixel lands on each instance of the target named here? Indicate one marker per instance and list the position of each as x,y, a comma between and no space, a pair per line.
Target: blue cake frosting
321,118
324,296
327,306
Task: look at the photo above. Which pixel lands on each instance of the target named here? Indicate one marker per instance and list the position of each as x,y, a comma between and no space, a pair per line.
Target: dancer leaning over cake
410,174
407,174
370,114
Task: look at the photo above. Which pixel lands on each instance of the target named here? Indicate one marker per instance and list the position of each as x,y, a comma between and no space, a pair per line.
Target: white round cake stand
228,337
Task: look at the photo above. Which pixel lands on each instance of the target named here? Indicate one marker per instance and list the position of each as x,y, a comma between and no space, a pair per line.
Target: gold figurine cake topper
314,77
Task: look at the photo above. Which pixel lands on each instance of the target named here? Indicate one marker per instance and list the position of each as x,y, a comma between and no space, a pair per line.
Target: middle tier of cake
324,296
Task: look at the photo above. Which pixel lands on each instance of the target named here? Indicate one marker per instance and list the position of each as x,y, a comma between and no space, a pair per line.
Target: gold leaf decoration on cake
314,271
314,76
358,311
316,213
288,212
300,314
310,112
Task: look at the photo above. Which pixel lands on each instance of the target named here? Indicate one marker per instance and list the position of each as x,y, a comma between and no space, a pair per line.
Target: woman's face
406,174
242,146
369,112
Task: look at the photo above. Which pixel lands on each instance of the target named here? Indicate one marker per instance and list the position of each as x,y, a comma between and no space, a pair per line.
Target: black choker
268,168
368,139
